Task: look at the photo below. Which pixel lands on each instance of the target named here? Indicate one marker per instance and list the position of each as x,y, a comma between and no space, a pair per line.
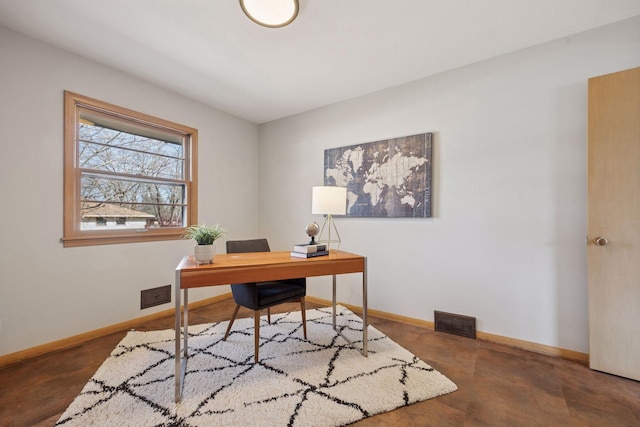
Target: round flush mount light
271,13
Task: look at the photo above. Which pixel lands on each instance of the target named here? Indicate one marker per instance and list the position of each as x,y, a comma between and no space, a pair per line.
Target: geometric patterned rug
320,381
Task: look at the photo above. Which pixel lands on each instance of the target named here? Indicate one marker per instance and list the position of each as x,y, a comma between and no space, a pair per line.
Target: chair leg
304,317
269,315
256,334
233,317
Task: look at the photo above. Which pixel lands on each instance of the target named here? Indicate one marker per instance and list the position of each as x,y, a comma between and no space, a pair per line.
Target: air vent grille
155,296
455,324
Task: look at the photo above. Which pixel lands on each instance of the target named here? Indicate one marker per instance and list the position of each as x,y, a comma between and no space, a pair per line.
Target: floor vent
155,296
455,324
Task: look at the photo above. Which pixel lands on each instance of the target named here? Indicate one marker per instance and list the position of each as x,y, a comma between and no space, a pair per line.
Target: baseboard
548,350
383,314
497,339
76,340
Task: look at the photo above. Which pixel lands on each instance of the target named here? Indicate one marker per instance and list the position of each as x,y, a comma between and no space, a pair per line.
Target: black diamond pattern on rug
321,381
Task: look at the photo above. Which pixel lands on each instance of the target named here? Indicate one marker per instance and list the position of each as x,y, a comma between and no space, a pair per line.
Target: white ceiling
210,51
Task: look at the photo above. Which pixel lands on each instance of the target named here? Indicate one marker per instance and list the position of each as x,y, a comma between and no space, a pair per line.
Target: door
613,241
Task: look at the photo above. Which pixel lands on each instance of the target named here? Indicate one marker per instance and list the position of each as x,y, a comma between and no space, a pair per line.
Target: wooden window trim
72,235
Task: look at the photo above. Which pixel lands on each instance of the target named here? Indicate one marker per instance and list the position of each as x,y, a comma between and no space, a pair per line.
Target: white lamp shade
329,200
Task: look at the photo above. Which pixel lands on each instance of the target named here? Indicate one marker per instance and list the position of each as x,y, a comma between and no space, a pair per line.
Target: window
129,177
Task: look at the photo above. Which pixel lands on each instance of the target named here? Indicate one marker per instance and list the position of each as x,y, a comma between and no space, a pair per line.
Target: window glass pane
161,202
121,152
101,215
171,216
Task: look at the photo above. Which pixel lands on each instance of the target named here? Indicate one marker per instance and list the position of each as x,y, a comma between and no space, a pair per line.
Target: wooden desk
257,267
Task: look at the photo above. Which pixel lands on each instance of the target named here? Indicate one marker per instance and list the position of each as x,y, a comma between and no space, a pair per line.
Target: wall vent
455,324
155,296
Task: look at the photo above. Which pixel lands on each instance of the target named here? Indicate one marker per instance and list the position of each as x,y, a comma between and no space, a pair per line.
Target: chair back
253,245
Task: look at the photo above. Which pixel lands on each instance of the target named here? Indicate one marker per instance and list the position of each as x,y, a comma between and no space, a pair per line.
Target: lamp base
328,224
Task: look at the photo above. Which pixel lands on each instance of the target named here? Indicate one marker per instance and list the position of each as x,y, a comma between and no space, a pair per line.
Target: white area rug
317,382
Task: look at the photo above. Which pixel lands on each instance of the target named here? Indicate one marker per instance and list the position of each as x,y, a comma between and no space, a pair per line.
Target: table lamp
329,201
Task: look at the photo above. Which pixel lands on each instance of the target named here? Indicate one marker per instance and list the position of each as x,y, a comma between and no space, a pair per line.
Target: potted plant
204,251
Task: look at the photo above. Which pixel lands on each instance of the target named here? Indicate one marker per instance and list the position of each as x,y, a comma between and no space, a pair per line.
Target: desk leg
186,327
334,302
178,327
365,322
181,359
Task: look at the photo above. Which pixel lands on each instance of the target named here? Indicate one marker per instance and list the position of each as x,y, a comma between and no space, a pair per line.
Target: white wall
507,239
48,292
505,244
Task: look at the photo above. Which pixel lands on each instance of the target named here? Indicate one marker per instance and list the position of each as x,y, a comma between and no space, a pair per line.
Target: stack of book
305,250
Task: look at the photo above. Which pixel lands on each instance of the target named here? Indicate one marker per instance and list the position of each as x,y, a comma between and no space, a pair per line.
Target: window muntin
125,172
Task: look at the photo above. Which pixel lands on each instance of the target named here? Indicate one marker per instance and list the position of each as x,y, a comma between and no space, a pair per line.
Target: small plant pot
204,254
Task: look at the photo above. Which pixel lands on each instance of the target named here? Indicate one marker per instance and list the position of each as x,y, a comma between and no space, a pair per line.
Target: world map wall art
384,179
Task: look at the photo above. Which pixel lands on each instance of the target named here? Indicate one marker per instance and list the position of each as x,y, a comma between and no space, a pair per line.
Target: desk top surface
264,266
257,259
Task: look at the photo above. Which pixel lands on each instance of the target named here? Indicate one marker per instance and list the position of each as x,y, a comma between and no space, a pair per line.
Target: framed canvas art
384,179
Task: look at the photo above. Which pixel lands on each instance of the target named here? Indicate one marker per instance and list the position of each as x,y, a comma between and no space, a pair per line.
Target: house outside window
129,177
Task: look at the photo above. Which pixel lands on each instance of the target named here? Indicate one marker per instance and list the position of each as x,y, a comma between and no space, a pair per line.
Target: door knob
600,241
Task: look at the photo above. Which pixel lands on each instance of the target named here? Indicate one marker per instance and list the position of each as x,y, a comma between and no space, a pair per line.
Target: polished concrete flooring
498,385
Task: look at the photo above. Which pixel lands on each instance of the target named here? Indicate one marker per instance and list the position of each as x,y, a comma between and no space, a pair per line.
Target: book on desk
309,254
306,248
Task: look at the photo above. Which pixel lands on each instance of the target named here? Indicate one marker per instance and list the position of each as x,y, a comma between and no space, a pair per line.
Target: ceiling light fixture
271,13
